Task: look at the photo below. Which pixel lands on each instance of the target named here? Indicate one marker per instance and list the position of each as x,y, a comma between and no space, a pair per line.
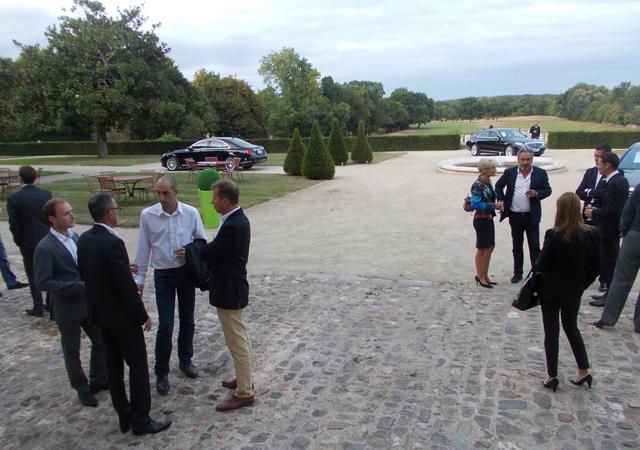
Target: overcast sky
444,48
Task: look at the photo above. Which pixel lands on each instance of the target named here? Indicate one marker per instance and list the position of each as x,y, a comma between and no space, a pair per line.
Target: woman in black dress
570,262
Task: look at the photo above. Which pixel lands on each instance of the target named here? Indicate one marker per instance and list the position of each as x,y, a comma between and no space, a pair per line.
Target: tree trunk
101,131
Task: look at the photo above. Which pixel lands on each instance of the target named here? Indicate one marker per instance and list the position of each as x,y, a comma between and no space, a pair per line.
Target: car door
482,141
495,143
219,149
198,149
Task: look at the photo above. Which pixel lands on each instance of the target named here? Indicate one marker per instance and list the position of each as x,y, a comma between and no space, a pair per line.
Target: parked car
224,148
503,141
630,164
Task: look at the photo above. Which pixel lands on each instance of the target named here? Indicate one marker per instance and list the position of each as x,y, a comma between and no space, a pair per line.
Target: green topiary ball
206,178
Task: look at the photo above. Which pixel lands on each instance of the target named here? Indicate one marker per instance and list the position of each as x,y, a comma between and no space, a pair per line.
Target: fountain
470,164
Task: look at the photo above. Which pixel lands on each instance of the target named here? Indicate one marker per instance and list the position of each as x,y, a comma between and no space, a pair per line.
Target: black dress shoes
600,302
18,285
516,277
162,386
152,427
599,324
35,312
87,398
189,370
603,287
124,421
97,387
598,297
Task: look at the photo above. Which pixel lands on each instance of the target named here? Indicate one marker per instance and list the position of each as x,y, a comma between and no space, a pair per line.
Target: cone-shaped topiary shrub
337,147
295,154
317,163
206,178
361,151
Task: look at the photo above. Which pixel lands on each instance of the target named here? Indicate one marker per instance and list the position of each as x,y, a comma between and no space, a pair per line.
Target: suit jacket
607,216
57,273
569,267
112,293
588,182
539,183
26,219
226,257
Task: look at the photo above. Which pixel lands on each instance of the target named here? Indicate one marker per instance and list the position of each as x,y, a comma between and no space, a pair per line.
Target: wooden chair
108,172
192,166
5,178
92,187
146,187
108,185
237,168
38,175
14,180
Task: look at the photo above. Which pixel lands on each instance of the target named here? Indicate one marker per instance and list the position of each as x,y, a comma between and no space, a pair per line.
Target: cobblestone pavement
386,344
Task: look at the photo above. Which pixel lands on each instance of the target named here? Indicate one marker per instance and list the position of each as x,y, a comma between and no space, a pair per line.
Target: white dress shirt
161,234
226,216
68,242
520,201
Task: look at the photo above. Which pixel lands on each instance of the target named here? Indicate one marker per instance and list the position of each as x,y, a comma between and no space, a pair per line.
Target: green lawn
254,189
86,160
547,123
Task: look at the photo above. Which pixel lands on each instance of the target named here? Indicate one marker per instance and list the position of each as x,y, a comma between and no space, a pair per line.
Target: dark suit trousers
609,249
125,343
521,223
70,339
167,283
567,309
36,295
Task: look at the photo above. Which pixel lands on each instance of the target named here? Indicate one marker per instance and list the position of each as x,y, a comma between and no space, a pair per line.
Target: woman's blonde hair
486,163
568,216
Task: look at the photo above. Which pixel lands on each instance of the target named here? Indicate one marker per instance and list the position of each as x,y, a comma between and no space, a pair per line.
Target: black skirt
485,233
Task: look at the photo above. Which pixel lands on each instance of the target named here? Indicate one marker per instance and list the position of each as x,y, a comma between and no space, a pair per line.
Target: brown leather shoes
230,384
234,403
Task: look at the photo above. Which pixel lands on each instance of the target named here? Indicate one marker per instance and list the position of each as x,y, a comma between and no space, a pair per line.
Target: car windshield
631,159
512,133
241,143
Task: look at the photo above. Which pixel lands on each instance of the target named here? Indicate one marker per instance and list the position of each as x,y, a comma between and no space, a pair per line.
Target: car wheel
172,163
508,151
474,150
228,163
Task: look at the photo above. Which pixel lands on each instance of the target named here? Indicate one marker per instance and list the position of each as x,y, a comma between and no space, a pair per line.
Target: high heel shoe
587,378
489,286
493,283
552,384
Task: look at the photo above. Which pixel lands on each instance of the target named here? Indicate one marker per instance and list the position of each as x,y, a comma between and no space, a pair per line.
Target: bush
206,178
361,151
317,163
591,139
337,147
295,155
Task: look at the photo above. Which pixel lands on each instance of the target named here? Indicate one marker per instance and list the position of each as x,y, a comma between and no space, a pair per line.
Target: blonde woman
483,202
570,262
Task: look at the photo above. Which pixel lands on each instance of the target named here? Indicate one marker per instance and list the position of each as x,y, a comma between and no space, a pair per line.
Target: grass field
255,188
547,123
83,160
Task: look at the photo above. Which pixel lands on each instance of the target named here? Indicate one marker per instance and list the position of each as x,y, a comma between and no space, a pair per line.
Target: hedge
278,145
591,139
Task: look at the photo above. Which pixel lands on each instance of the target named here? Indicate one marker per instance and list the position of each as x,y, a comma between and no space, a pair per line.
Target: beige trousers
237,339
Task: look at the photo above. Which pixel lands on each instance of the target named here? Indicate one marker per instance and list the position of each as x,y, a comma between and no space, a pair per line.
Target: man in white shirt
56,272
165,229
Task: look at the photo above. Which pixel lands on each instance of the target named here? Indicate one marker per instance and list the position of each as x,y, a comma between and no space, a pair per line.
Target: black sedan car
224,148
503,141
630,164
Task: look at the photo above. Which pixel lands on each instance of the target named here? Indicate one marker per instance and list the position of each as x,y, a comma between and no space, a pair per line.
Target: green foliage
337,147
419,107
361,151
295,155
590,139
206,178
317,163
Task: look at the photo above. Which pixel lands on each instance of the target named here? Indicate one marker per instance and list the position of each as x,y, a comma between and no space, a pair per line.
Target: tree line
620,105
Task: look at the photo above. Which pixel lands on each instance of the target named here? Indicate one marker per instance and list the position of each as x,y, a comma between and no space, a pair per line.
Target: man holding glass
165,229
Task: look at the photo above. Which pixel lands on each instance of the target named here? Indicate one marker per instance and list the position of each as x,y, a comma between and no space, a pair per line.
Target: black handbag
529,294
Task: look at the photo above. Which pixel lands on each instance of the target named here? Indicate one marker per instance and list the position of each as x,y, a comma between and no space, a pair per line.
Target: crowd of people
583,244
91,285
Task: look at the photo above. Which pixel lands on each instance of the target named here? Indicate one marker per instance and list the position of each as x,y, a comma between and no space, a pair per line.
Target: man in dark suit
116,307
607,218
56,272
28,225
592,187
227,256
526,187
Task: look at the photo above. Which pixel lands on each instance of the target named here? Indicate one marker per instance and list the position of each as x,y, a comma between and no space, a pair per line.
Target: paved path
367,333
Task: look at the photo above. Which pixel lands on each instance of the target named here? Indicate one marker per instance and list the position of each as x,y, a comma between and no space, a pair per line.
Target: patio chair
108,185
192,166
237,168
147,187
92,187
